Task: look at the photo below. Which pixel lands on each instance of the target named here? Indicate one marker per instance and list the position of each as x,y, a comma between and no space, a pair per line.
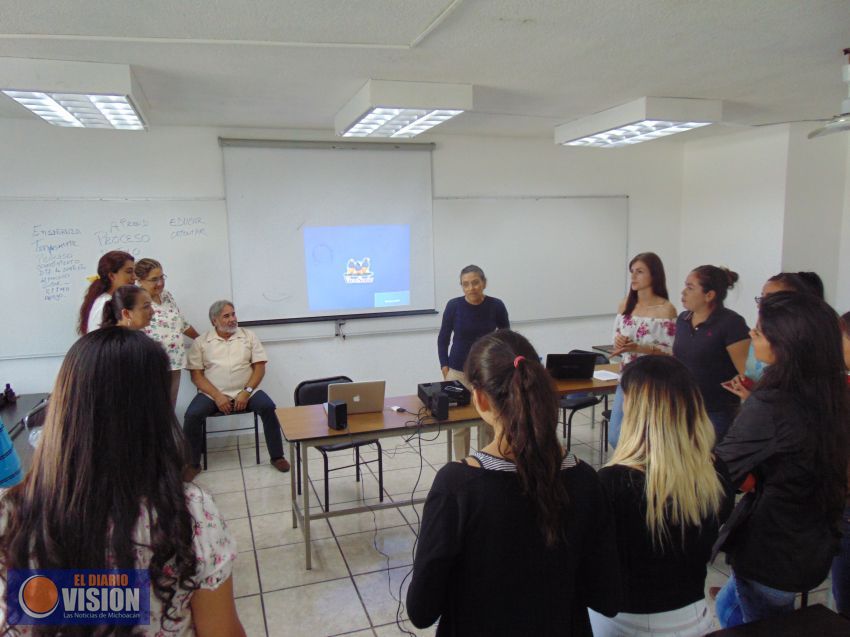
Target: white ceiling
533,63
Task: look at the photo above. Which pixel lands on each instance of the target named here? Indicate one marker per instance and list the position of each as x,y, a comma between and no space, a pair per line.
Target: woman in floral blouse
167,325
645,323
105,492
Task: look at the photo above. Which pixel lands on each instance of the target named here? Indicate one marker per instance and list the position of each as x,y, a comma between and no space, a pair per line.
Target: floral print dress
215,550
167,327
645,330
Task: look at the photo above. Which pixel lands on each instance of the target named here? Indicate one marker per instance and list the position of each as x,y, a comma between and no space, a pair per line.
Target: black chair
577,402
218,414
315,392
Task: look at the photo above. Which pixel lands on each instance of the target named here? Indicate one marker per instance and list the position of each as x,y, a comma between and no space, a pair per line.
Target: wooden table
816,620
308,426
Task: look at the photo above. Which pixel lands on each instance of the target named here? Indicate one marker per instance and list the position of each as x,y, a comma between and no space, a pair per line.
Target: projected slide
357,267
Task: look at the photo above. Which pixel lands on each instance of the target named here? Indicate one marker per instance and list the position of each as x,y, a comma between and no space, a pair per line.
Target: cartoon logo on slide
359,271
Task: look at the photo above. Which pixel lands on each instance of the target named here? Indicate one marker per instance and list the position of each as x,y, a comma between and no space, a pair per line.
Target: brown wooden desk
308,426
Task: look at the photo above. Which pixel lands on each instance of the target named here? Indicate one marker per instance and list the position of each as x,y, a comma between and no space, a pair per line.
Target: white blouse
645,330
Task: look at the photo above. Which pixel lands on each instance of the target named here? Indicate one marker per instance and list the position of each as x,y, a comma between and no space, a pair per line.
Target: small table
308,426
813,620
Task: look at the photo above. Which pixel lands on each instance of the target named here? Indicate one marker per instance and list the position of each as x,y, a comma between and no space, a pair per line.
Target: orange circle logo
38,596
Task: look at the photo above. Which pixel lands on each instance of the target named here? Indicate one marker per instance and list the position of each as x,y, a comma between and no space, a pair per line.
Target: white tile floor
359,561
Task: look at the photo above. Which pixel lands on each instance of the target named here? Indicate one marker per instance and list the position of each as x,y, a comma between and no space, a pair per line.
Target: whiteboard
545,257
49,247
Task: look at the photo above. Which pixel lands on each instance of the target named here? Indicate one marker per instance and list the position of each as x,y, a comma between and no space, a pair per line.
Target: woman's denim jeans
742,601
616,421
841,568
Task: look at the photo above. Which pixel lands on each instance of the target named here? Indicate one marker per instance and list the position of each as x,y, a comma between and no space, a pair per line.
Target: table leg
305,493
449,436
292,485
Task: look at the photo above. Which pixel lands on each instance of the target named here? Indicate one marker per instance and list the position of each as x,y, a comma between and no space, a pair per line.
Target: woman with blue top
645,323
517,539
466,319
712,341
10,464
803,282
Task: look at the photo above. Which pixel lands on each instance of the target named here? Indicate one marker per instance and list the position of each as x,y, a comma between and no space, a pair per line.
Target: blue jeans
742,601
841,568
616,421
203,406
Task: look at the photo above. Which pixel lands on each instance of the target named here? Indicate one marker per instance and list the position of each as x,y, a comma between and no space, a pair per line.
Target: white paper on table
604,374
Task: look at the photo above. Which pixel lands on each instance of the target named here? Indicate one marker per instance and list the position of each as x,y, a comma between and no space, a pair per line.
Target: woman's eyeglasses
157,279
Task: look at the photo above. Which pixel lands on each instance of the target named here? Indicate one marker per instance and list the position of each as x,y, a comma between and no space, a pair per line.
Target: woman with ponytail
130,307
114,269
518,538
712,341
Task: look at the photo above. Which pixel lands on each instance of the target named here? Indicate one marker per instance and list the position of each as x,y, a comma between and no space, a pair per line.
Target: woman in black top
669,499
788,447
519,539
712,341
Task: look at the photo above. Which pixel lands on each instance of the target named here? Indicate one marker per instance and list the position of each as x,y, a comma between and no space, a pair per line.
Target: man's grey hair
217,308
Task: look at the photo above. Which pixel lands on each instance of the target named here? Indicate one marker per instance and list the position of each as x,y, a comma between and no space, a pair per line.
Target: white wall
814,205
842,295
733,206
42,161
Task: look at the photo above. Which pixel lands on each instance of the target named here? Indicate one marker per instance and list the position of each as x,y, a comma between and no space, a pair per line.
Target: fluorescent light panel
80,111
401,109
639,121
74,94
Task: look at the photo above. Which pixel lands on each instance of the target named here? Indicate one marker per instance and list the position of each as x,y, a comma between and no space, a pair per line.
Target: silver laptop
361,398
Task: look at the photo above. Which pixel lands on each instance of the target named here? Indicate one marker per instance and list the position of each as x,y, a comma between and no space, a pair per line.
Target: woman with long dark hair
712,341
841,563
669,498
105,492
130,306
114,269
645,323
790,444
516,539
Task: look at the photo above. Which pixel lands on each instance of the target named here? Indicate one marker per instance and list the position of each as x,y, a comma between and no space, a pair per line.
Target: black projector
457,394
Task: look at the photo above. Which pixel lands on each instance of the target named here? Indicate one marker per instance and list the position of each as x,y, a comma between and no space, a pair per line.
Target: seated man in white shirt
227,363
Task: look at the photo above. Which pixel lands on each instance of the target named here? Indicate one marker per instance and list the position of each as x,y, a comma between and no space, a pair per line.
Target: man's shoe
190,472
281,464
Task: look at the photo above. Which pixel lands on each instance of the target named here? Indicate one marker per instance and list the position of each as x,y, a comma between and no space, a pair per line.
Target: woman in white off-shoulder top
645,323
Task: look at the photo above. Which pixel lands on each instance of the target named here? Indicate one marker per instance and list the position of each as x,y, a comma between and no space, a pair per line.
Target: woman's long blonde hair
666,434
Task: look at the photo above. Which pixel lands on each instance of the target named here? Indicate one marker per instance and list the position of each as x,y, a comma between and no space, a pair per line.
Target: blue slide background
327,250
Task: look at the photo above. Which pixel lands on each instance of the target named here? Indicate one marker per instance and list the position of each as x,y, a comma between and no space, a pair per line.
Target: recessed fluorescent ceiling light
80,111
74,94
639,121
401,109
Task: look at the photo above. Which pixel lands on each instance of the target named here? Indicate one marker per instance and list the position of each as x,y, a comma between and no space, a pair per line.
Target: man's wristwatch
249,390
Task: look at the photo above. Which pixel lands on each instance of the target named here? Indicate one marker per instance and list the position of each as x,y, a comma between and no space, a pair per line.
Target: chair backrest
601,359
315,392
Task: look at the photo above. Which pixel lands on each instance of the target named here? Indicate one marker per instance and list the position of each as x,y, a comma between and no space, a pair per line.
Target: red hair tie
517,360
